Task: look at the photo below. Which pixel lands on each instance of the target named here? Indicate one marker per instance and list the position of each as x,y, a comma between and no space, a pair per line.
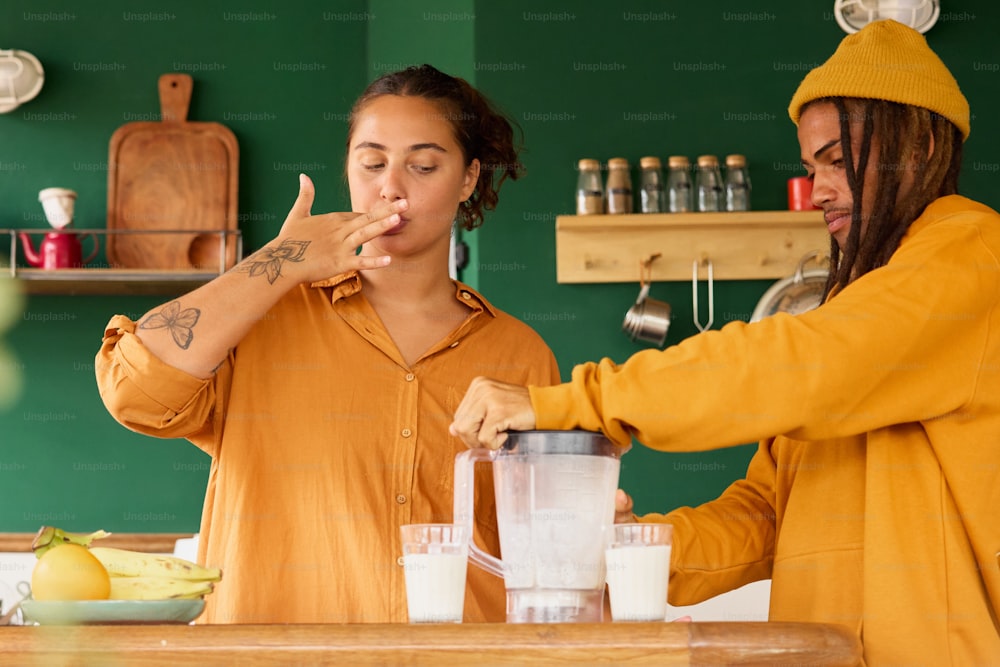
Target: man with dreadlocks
873,500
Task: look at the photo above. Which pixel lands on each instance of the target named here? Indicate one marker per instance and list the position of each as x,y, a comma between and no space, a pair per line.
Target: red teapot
60,249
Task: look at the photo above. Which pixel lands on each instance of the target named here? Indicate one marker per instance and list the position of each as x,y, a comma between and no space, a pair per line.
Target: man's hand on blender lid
489,409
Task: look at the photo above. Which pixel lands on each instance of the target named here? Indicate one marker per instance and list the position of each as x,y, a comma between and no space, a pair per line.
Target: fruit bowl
92,612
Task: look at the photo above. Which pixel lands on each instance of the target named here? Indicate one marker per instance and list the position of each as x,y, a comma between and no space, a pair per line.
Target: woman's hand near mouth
316,247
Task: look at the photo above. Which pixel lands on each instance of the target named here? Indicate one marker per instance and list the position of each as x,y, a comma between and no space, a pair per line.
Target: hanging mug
648,319
800,194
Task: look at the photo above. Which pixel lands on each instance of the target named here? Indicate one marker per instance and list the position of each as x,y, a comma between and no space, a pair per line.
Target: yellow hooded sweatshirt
873,500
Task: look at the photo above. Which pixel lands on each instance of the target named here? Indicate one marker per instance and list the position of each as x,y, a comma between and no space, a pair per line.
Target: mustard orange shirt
323,442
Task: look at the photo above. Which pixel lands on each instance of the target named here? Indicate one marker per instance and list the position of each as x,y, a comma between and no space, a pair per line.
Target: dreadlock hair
908,139
481,130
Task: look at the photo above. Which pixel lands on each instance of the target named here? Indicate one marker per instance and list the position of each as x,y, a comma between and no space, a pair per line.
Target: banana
50,536
121,563
136,575
158,588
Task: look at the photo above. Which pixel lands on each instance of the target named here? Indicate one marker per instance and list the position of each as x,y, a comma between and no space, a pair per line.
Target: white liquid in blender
637,582
554,512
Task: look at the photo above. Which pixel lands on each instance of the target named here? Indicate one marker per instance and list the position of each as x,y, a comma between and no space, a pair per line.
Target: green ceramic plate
111,611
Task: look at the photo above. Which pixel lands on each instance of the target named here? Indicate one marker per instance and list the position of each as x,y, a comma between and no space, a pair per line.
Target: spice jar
737,183
679,192
619,186
589,188
652,196
708,183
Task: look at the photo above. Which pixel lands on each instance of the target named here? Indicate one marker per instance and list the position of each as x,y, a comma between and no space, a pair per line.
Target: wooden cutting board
172,176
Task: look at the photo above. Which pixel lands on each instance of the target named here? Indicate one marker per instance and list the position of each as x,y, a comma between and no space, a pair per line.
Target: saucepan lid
795,294
21,78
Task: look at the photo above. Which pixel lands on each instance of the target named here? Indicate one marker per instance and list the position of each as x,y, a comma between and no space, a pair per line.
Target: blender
555,500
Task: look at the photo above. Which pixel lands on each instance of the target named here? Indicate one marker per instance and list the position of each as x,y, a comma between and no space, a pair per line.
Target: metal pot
795,294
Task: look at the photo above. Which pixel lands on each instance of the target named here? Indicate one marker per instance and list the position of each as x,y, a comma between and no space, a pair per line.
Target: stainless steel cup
648,319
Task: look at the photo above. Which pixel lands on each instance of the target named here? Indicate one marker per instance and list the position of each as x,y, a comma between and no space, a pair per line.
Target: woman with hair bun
321,380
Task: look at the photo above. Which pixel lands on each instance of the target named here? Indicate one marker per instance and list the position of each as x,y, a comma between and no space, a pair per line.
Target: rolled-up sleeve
148,396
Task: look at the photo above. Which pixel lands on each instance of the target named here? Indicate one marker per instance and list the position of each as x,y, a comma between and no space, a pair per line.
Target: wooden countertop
483,645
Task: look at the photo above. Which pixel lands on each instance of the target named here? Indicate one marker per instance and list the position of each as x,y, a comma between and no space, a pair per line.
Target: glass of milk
638,570
434,561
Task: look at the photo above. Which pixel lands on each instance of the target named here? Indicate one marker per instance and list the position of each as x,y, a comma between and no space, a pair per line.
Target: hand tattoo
268,260
178,322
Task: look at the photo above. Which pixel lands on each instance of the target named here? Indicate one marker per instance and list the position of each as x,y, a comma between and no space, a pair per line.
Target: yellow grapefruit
69,572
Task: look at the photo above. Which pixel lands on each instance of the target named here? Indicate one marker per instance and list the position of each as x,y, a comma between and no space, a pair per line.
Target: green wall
281,75
582,80
631,79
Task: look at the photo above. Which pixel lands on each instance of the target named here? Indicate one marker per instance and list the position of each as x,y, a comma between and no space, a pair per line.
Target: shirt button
410,377
406,433
455,344
466,295
399,561
401,499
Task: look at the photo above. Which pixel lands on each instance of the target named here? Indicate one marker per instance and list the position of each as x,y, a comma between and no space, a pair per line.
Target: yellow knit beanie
886,60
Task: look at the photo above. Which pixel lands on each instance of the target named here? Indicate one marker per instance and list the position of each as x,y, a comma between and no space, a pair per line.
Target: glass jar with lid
589,188
737,183
708,184
619,187
679,192
652,195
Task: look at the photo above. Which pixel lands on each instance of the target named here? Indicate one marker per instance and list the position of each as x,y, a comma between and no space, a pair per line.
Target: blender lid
584,443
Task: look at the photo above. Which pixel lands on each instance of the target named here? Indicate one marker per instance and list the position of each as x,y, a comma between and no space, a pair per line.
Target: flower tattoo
268,260
178,322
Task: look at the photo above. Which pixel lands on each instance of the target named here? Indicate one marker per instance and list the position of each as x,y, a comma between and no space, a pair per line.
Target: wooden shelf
749,245
110,281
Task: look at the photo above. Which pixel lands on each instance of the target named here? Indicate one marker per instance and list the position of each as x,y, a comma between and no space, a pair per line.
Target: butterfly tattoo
178,322
268,260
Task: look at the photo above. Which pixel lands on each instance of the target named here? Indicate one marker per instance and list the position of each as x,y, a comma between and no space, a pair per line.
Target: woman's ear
471,179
